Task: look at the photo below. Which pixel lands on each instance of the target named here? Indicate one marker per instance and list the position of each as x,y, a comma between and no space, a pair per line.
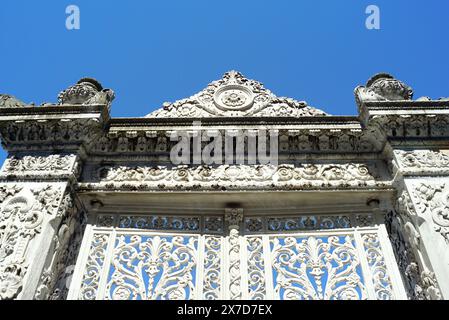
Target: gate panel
291,258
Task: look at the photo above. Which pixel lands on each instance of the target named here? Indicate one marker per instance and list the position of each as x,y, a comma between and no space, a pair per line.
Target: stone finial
86,91
384,87
8,101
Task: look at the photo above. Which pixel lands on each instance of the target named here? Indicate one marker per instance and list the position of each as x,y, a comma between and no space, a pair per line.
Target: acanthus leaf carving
86,91
433,199
423,161
420,282
21,220
28,164
237,176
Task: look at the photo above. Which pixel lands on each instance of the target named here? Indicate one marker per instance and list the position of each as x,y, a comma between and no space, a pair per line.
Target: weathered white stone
78,187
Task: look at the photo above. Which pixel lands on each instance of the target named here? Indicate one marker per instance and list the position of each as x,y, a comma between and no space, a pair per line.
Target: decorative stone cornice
235,177
387,103
41,167
296,139
51,128
422,162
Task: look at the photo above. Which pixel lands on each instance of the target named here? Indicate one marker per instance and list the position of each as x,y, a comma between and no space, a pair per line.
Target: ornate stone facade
92,207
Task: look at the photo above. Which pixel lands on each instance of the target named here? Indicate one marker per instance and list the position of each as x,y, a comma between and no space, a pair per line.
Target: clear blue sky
155,51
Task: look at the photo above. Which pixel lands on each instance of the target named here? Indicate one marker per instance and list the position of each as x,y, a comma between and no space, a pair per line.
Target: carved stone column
27,218
40,216
422,179
234,218
413,133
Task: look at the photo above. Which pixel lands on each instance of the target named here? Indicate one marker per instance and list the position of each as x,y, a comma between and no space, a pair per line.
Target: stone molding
422,162
41,167
235,177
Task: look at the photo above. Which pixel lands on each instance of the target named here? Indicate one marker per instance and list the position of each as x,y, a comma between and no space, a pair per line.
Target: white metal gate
192,257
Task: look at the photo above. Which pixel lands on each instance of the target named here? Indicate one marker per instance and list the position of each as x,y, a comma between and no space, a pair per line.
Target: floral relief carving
376,262
153,268
422,161
234,95
95,262
39,163
305,222
404,204
20,221
234,176
212,278
256,269
383,87
317,268
86,91
54,280
419,281
234,217
433,199
69,240
235,277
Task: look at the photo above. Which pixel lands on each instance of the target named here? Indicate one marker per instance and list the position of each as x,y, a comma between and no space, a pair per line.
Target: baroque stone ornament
384,87
8,101
212,284
93,207
423,161
235,96
235,176
163,260
304,269
39,163
419,281
20,222
86,91
234,216
234,265
434,200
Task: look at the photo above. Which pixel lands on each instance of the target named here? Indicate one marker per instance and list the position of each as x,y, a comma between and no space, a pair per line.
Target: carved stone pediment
235,96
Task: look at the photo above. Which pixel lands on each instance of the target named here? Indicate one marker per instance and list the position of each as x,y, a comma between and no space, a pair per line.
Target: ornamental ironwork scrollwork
212,278
153,268
378,268
256,269
94,265
324,268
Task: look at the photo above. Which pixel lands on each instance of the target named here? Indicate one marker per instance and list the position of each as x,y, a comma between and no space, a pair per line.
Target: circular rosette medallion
234,97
